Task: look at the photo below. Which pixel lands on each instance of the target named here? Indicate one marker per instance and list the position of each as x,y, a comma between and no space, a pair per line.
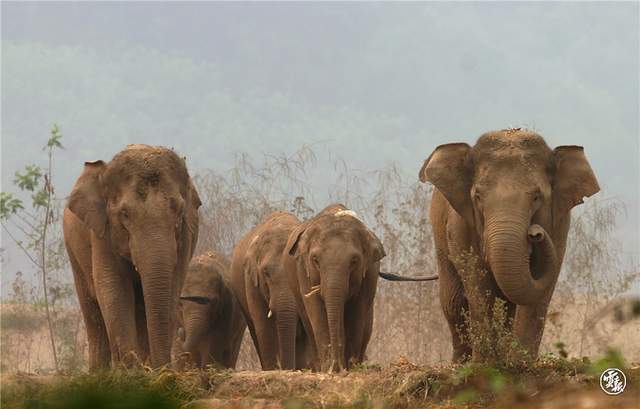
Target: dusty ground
369,390
401,385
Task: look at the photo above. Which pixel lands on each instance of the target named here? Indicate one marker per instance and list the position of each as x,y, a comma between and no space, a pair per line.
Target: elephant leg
267,338
254,338
99,350
368,330
314,319
358,321
234,341
206,351
196,356
511,314
98,341
305,337
454,304
305,349
320,329
353,333
224,344
481,296
114,290
529,326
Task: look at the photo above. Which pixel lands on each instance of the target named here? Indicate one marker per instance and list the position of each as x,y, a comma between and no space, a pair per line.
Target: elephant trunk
334,298
286,323
522,258
196,322
156,262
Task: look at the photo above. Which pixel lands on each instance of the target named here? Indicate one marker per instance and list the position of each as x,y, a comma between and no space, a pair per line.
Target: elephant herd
306,289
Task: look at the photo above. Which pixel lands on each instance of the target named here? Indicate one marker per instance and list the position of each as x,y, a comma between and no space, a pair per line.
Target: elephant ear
294,239
447,169
87,199
193,204
251,265
574,179
190,230
376,248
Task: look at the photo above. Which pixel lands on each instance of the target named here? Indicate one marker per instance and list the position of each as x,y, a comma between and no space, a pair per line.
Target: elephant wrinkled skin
260,284
509,199
333,261
130,227
211,325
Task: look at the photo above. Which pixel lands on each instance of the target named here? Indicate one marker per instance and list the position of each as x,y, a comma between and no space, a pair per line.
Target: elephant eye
537,196
124,214
316,261
177,205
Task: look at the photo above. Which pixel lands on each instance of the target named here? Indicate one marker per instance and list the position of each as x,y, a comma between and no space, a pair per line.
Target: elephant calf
260,284
211,323
333,261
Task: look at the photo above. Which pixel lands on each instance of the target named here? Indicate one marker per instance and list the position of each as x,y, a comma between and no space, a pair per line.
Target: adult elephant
211,324
260,284
508,198
130,227
333,261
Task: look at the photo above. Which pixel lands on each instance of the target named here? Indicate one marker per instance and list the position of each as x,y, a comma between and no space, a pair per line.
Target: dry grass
549,384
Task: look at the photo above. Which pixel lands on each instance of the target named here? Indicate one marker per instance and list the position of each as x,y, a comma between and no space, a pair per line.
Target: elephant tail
396,277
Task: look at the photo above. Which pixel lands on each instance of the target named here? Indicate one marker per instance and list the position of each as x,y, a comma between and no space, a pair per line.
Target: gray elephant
211,325
508,198
130,227
260,284
333,261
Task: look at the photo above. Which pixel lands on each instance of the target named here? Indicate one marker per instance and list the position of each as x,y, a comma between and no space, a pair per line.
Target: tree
28,228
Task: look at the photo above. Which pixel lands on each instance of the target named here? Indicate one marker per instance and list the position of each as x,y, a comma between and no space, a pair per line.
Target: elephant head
336,252
515,194
144,204
203,298
264,272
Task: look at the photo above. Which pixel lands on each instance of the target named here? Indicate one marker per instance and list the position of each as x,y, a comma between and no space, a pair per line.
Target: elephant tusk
314,290
269,314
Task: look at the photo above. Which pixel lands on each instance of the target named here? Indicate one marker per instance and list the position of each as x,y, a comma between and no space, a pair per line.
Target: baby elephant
333,261
211,323
262,288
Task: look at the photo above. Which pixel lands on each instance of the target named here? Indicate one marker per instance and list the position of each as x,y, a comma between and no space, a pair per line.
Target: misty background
374,83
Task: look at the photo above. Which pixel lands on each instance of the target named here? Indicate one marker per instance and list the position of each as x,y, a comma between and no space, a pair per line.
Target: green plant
139,388
34,226
487,324
560,346
612,358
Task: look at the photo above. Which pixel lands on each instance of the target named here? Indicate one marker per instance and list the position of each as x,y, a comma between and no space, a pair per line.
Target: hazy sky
376,82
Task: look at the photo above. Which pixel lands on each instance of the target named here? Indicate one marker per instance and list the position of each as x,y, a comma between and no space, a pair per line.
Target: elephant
332,262
507,199
130,228
210,322
260,283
